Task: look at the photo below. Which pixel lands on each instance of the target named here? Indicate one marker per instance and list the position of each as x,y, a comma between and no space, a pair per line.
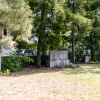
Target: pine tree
16,17
79,25
93,40
47,23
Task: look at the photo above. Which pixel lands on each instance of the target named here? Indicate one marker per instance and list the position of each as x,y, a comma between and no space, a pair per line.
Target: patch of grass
72,66
60,84
5,73
80,85
94,62
86,82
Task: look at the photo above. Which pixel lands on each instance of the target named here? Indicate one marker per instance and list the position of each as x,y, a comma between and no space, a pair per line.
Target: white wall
58,58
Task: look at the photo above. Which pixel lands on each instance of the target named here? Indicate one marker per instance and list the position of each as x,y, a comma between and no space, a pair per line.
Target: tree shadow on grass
86,68
95,72
80,72
94,68
33,70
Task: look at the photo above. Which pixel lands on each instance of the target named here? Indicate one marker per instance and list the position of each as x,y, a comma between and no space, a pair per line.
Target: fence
58,58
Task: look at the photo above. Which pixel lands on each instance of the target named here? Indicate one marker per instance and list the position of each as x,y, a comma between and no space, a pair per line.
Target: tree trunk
92,48
38,58
92,54
73,48
40,38
99,56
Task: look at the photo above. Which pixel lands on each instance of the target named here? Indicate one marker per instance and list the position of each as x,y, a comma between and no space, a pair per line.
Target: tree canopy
55,21
93,40
16,17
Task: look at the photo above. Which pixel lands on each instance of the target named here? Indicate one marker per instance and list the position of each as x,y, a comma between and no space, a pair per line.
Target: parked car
26,52
29,53
20,52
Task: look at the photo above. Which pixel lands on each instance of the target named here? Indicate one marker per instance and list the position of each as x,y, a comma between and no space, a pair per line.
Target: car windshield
19,51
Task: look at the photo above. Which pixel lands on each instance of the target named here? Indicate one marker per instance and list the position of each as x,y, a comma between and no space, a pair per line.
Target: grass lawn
52,84
86,83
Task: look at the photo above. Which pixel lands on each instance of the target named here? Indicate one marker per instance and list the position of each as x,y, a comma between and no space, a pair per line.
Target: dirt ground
38,84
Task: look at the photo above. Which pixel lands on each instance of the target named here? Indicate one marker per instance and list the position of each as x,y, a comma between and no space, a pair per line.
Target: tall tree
79,24
93,40
16,17
47,23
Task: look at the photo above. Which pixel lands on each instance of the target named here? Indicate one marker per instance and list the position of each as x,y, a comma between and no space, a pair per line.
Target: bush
92,62
15,62
72,66
5,73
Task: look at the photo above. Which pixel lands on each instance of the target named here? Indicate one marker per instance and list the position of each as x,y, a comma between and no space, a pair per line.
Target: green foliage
25,45
15,62
5,73
92,62
93,40
48,23
15,15
48,17
1,74
72,66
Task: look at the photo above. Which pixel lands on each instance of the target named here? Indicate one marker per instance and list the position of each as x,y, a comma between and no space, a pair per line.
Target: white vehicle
26,52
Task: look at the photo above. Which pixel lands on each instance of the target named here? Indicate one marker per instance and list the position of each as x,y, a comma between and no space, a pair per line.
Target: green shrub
72,66
5,73
14,62
92,62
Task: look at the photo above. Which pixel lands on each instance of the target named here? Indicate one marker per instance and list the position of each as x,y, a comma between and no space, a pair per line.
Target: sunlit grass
55,84
79,85
86,82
